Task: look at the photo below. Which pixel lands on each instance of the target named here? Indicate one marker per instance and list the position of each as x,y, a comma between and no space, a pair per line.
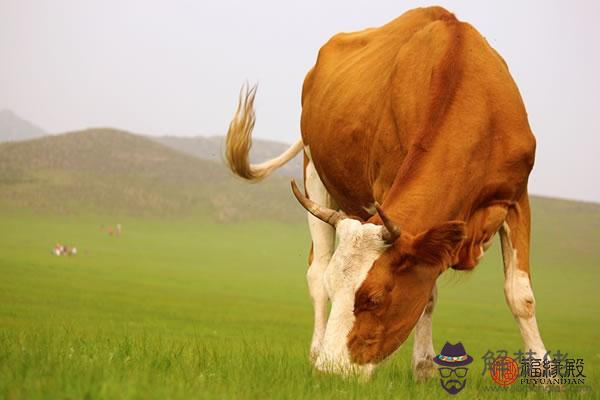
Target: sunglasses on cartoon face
447,372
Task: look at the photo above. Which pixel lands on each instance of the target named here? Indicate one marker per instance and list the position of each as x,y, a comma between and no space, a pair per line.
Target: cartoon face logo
452,361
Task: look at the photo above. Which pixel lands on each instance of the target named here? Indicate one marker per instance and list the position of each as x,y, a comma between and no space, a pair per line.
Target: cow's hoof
313,355
423,369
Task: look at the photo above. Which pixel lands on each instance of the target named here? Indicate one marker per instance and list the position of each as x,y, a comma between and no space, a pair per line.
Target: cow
417,152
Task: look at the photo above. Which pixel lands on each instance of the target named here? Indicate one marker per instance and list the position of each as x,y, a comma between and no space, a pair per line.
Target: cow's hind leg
514,237
323,243
423,352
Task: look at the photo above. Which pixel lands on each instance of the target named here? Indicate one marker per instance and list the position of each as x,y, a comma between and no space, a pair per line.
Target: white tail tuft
239,141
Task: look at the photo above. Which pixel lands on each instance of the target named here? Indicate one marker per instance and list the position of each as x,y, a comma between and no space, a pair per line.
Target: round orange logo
504,371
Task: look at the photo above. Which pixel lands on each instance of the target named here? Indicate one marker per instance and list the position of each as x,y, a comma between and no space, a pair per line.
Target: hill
13,127
573,227
210,148
111,171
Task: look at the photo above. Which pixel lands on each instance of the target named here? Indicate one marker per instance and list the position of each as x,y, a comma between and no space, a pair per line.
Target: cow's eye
367,302
376,298
362,303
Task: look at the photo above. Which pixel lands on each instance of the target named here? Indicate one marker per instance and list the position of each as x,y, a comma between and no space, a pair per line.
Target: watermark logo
504,371
528,368
452,362
517,372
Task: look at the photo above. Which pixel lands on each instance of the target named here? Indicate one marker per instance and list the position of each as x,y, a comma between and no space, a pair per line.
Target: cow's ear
438,244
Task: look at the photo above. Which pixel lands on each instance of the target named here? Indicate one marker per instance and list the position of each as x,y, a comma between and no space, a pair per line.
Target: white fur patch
517,287
423,352
518,290
359,246
519,295
323,239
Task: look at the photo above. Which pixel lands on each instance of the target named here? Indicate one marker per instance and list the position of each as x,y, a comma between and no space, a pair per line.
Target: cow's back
425,78
346,101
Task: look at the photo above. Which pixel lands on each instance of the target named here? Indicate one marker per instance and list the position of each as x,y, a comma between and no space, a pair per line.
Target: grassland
192,308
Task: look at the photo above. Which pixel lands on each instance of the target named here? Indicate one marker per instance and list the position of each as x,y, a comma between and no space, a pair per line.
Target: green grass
195,309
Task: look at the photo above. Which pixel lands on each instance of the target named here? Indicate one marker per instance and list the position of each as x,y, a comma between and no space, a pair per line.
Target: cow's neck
426,193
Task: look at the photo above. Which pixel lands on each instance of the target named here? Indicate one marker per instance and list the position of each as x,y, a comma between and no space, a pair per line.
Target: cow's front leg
323,243
423,352
514,237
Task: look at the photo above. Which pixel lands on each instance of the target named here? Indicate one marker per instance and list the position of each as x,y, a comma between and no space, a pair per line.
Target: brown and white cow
417,151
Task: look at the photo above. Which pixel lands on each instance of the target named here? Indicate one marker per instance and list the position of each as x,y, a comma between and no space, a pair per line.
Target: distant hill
210,148
572,226
111,171
115,172
13,127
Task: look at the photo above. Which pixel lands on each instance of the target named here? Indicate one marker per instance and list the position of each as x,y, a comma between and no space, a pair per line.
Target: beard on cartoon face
453,385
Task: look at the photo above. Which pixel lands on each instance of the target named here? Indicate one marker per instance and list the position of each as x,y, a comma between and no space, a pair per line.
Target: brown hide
423,116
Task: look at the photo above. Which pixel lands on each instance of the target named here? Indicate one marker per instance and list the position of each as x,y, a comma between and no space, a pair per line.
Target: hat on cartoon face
453,355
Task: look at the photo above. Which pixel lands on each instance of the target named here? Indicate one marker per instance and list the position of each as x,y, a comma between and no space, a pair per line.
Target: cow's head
379,281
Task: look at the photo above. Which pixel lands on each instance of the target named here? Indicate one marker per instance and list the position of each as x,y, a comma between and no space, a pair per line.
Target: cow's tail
239,142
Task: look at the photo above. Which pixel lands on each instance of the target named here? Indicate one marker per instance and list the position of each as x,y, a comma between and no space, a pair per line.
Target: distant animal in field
61,250
417,152
116,231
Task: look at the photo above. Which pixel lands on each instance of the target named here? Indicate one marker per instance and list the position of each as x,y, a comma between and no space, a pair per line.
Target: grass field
194,309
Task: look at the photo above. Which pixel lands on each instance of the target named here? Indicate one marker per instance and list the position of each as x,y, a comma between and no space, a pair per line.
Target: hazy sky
175,67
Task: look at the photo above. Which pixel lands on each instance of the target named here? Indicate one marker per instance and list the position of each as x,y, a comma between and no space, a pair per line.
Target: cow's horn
391,231
325,214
